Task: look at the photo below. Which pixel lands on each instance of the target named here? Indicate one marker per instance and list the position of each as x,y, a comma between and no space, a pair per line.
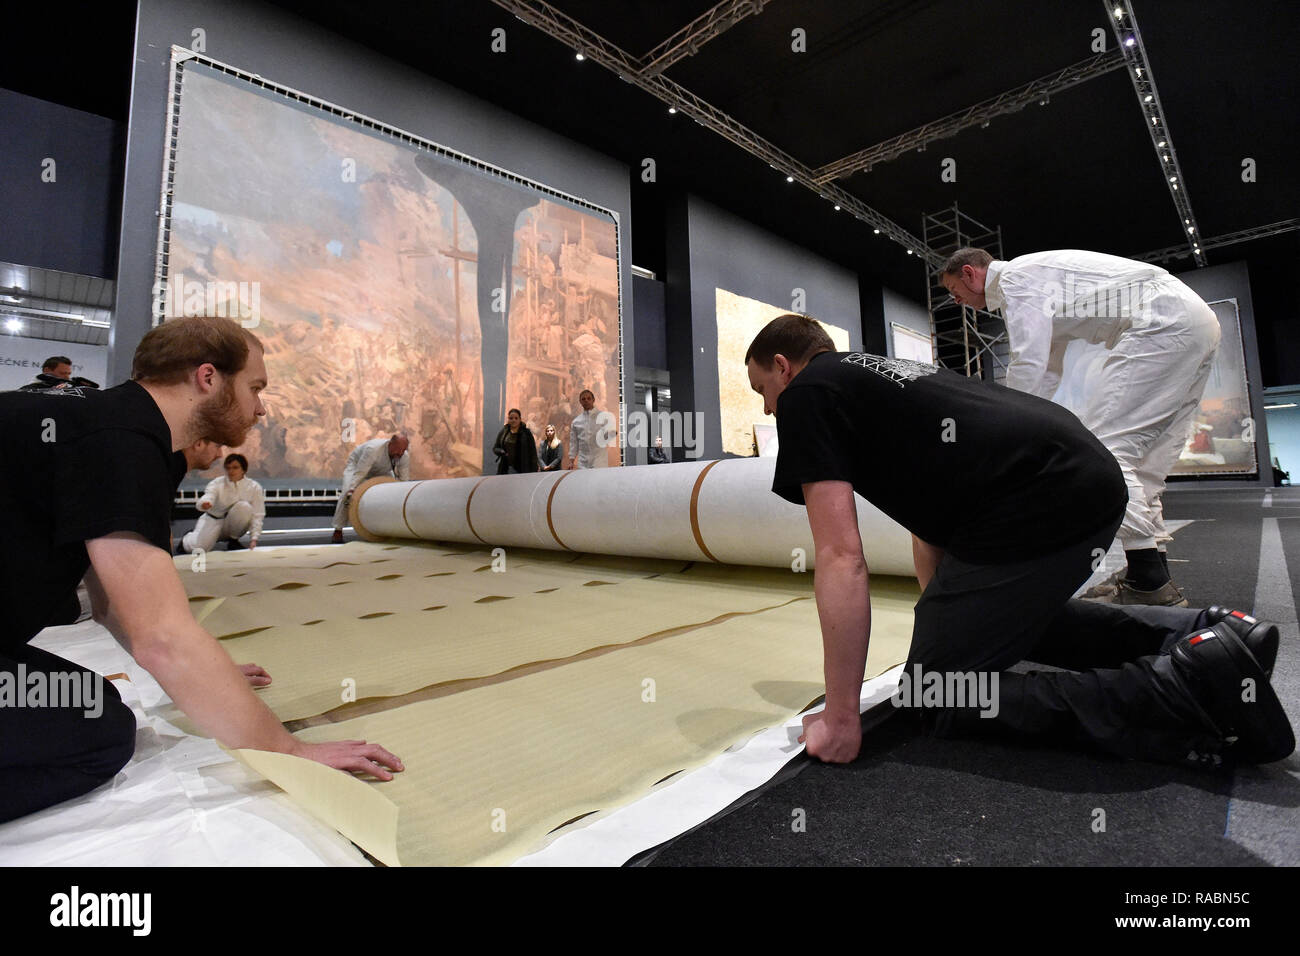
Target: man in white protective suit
231,507
1141,401
377,458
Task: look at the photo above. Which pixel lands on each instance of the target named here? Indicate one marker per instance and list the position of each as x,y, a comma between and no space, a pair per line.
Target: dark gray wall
300,55
69,224
722,251
900,309
1232,281
874,325
651,339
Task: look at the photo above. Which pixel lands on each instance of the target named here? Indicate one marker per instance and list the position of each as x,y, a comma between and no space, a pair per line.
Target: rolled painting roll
720,511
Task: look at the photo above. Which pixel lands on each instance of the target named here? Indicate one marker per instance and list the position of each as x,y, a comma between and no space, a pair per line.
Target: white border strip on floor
1264,826
692,799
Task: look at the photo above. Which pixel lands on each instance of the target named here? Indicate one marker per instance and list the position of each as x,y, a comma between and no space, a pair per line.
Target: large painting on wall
1221,440
396,285
739,320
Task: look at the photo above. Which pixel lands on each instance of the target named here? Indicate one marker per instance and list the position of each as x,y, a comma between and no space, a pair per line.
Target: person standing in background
515,447
551,453
657,454
584,446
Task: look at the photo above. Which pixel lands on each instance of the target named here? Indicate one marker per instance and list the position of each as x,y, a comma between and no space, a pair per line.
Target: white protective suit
589,436
237,507
369,460
1141,398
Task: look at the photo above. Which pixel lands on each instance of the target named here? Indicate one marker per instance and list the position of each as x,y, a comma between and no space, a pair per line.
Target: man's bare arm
137,595
844,609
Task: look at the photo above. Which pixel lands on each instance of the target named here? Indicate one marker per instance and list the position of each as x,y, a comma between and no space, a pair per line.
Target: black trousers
1117,695
62,747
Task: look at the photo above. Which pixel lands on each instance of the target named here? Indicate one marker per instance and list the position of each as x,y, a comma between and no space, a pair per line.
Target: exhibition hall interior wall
712,250
301,56
902,311
1284,430
61,191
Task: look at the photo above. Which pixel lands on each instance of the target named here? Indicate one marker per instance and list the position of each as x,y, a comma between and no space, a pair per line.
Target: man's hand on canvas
832,739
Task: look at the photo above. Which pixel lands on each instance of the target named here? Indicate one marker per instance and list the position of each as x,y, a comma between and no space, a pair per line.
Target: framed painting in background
911,344
740,319
1222,440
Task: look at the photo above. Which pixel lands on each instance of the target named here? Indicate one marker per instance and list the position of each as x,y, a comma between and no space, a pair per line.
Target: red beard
220,419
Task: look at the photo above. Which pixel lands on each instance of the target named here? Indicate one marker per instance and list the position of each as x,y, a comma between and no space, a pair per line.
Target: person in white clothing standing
377,458
232,507
1141,401
585,448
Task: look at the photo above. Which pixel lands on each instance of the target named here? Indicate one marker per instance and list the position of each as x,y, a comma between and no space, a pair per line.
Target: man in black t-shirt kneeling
93,499
1011,502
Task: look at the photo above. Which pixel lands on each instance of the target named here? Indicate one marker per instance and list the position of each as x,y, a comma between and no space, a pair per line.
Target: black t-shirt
81,464
180,468
987,473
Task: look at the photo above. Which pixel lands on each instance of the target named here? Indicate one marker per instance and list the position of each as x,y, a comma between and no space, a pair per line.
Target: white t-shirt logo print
897,371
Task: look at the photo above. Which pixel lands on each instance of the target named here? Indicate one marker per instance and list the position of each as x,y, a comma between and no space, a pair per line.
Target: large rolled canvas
716,511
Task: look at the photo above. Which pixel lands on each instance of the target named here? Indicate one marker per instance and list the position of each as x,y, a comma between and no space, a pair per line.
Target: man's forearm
202,681
139,597
844,608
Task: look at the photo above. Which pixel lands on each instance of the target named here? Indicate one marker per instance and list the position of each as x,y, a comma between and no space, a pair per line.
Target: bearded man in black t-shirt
1011,503
93,499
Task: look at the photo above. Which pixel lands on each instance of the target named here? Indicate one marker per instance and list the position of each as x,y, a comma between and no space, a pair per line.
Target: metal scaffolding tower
968,340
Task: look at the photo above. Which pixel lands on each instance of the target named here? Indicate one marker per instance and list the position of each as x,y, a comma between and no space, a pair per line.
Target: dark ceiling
1078,172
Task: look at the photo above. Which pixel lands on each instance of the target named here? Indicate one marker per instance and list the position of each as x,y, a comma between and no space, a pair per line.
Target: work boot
1167,595
338,536
1227,683
1260,637
1102,589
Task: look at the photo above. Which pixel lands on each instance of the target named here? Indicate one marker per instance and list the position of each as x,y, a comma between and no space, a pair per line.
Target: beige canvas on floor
591,703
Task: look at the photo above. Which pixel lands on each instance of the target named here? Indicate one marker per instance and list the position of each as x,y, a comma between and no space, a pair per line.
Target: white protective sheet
181,801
